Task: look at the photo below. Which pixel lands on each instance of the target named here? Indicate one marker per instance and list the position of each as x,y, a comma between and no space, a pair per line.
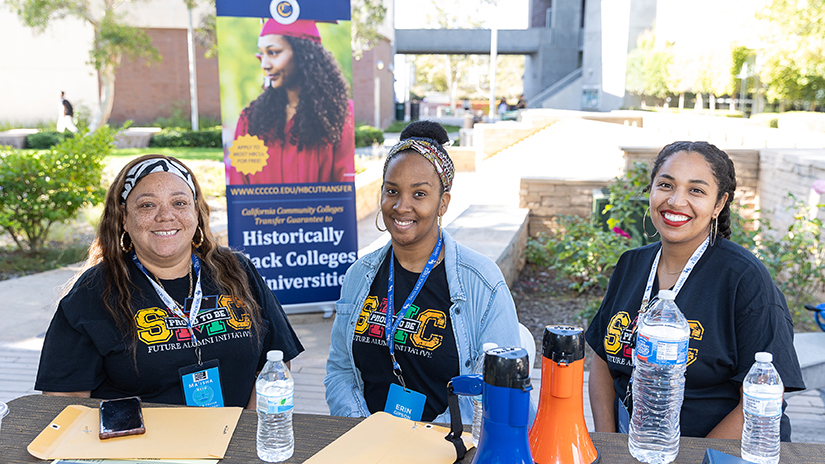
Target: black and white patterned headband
149,166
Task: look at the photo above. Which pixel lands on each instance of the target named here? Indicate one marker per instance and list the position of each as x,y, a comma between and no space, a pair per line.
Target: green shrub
180,137
367,136
42,188
46,139
795,258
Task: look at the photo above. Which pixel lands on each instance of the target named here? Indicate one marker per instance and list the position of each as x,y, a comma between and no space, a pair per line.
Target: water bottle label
661,352
765,407
277,404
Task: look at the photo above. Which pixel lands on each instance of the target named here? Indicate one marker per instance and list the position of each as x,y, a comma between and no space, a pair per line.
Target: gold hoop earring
714,229
122,246
378,213
644,227
197,245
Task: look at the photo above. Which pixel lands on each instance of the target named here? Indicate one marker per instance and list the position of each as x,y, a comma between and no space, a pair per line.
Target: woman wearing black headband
444,300
160,310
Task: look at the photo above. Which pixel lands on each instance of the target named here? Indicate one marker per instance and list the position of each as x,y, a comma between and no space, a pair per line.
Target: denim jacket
482,311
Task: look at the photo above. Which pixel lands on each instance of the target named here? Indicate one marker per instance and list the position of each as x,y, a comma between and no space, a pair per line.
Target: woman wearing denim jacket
448,300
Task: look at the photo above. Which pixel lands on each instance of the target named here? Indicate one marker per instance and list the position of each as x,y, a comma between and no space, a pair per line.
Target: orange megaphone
559,434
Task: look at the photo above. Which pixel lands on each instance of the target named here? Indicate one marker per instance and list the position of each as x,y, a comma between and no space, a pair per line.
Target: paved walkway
563,150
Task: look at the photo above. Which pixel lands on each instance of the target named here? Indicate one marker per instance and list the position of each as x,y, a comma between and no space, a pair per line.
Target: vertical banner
288,138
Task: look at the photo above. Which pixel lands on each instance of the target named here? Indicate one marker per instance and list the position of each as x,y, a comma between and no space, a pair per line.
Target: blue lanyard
392,322
197,297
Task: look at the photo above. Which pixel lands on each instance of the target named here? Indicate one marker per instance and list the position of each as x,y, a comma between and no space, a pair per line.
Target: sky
509,14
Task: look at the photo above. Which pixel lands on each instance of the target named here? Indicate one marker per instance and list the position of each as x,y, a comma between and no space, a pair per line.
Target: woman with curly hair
304,116
726,294
159,302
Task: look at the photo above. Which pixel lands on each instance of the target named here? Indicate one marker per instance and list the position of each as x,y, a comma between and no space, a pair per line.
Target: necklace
180,306
291,106
672,273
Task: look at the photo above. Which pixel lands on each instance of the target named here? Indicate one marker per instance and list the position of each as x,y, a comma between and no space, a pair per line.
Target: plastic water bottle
477,403
659,382
275,389
762,405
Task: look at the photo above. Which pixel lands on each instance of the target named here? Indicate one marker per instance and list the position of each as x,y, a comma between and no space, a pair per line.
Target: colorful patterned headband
152,165
433,151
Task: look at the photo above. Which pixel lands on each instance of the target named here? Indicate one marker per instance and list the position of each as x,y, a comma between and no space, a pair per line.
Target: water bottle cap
488,346
275,355
667,295
764,357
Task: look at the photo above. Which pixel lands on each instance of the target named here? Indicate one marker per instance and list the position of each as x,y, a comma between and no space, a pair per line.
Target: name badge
624,418
202,384
406,403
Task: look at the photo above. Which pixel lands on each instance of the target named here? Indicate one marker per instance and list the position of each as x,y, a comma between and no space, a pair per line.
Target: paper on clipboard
171,433
386,439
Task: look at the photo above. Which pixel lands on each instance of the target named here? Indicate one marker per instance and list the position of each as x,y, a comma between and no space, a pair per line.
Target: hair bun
426,129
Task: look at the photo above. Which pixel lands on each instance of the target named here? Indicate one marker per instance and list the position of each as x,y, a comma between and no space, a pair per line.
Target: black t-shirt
85,351
424,342
734,310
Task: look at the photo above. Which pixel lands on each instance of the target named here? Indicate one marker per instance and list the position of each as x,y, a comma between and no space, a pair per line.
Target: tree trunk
699,105
681,101
712,102
107,97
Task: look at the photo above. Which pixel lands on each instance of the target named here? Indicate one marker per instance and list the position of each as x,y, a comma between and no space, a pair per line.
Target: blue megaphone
505,389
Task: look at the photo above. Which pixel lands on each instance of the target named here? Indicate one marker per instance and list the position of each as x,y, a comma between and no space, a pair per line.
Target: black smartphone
120,417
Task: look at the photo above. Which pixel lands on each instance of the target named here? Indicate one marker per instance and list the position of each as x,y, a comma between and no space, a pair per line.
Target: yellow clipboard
386,439
171,433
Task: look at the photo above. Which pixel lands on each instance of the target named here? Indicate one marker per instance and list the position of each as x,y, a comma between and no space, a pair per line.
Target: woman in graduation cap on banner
304,116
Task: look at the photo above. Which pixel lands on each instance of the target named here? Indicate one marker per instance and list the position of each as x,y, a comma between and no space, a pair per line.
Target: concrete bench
136,137
498,232
16,137
810,349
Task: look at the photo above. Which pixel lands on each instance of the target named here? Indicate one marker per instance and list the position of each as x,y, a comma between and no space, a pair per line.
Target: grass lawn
183,154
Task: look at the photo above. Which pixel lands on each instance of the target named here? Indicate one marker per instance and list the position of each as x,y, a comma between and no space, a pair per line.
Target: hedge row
177,137
365,136
46,139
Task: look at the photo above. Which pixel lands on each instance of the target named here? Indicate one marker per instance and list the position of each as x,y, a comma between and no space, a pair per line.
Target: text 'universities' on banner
288,139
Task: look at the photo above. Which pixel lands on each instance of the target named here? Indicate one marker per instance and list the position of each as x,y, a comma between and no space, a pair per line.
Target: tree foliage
40,188
648,68
366,16
794,64
113,38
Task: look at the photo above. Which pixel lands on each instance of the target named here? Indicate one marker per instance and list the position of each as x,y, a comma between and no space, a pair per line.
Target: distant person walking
502,108
64,118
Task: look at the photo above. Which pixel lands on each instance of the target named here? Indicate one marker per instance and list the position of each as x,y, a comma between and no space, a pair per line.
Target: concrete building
576,50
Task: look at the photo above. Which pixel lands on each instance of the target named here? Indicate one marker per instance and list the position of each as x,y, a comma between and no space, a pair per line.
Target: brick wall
548,197
789,170
144,93
364,72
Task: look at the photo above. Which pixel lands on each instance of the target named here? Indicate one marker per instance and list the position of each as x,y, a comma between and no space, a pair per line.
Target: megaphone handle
456,427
